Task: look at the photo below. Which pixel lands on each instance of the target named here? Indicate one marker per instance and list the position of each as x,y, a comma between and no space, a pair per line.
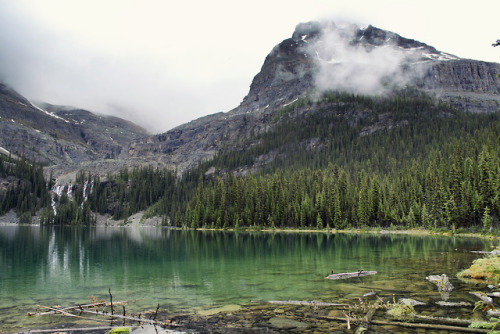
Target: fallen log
426,319
299,302
431,326
359,273
365,322
453,304
84,329
440,320
148,321
415,325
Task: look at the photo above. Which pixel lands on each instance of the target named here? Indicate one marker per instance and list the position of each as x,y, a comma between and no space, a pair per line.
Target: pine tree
425,217
487,225
319,222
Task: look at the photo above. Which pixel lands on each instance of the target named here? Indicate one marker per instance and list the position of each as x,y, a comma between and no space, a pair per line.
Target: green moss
120,330
487,325
486,270
402,312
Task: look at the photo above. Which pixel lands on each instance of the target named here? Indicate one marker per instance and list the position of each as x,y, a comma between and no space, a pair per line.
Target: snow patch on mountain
51,114
4,151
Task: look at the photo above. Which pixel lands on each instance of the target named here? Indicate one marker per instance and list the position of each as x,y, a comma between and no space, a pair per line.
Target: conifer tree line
439,169
23,188
343,161
430,194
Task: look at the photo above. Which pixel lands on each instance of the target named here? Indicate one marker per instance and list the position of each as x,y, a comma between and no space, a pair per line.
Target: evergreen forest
341,161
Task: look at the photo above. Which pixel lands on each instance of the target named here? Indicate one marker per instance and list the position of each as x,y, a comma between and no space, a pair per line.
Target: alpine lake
210,276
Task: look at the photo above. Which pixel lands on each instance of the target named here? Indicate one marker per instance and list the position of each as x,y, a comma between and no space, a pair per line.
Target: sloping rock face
182,147
288,72
467,84
57,135
463,75
107,135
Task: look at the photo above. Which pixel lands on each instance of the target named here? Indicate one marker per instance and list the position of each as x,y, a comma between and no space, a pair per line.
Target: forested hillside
343,161
425,165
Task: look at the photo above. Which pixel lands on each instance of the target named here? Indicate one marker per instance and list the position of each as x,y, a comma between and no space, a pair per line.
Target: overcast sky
162,63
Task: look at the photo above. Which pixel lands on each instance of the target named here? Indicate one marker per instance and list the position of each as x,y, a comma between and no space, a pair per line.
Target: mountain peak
355,35
323,56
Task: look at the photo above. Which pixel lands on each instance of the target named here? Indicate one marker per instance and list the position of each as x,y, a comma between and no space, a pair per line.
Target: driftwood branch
85,309
68,314
348,319
440,320
299,302
72,308
359,273
482,296
365,322
156,313
442,282
62,330
416,325
111,300
152,322
431,326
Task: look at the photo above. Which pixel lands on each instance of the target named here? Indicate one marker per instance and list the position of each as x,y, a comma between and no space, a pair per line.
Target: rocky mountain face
57,135
320,57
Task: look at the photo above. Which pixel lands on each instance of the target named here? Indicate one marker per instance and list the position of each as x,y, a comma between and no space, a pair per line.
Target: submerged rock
223,309
453,304
402,312
442,282
482,296
411,302
286,324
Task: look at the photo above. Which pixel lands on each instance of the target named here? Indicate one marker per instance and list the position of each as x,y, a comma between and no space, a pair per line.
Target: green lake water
192,271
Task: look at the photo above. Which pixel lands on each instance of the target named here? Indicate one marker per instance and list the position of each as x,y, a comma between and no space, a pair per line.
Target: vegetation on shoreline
483,270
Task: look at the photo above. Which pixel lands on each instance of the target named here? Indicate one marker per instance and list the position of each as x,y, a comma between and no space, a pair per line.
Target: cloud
162,63
346,63
131,60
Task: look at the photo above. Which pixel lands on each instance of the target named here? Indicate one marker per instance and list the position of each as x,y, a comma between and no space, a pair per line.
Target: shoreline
136,220
374,230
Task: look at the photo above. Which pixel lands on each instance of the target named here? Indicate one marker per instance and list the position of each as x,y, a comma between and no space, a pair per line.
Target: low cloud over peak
361,60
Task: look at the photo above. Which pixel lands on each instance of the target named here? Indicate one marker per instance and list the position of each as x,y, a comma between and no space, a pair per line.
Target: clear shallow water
189,271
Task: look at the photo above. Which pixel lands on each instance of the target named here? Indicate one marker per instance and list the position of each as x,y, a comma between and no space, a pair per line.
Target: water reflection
189,269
